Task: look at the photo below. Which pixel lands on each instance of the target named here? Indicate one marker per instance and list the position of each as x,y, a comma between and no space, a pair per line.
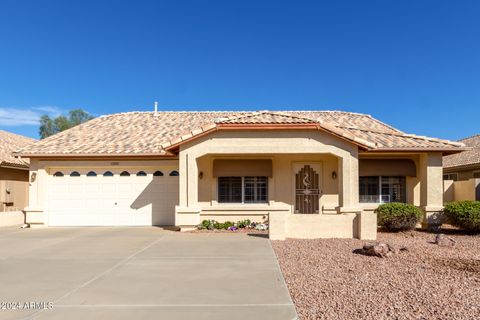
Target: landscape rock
444,241
382,250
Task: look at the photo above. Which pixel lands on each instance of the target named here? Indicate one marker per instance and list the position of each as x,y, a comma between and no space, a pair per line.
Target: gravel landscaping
328,281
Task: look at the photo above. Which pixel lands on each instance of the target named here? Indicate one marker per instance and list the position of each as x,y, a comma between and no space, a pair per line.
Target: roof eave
445,151
94,155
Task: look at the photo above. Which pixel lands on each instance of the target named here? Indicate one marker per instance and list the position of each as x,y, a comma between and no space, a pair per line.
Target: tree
49,126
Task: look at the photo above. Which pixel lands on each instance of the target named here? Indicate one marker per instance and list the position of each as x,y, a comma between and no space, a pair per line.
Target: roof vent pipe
156,106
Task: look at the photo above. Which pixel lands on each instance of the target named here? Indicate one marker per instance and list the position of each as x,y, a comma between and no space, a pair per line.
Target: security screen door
307,188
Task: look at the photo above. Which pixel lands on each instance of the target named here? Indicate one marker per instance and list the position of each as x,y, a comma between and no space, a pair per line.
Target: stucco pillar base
433,217
187,218
277,224
366,225
35,217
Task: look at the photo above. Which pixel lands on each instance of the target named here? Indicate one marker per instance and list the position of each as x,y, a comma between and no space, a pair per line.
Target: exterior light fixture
200,175
334,175
33,177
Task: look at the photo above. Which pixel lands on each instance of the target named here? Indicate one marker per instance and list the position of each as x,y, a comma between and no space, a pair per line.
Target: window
174,173
476,175
108,174
158,174
255,189
382,189
229,189
450,176
92,174
141,174
242,189
125,174
58,174
75,174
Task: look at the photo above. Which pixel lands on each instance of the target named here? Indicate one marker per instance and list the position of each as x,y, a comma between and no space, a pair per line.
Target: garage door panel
109,201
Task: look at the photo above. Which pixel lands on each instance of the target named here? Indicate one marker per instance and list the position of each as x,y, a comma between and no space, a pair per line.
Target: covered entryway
112,197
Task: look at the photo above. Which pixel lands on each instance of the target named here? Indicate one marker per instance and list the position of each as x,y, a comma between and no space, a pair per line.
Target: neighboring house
311,173
464,165
461,172
13,172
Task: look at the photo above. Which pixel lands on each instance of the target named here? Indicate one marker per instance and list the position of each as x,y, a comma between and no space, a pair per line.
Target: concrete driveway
139,273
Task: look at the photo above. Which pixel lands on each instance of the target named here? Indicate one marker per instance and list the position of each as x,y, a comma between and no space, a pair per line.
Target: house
461,172
13,178
465,165
310,173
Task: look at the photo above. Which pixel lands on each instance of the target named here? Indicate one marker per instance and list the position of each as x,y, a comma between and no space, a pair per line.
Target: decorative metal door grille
307,191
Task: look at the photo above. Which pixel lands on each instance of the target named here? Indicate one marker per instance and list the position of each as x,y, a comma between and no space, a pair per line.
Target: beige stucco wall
281,185
11,218
460,190
14,181
448,191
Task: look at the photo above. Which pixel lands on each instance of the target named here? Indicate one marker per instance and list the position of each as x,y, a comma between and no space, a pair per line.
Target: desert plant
243,223
464,214
398,216
218,225
228,224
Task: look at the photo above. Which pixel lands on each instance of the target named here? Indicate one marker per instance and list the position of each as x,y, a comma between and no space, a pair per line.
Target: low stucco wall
12,218
460,190
311,226
17,197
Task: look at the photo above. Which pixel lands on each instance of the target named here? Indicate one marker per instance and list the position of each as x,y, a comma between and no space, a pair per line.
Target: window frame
449,175
242,183
380,189
474,173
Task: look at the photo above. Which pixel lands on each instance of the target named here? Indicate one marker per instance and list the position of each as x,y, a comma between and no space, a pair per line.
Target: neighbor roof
150,133
10,142
466,158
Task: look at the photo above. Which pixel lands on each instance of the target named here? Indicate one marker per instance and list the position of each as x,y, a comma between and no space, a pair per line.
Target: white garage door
108,197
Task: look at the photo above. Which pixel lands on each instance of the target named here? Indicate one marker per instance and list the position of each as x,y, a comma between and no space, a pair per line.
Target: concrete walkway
140,273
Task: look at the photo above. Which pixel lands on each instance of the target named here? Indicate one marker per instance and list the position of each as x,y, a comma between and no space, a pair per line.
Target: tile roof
466,158
149,133
10,142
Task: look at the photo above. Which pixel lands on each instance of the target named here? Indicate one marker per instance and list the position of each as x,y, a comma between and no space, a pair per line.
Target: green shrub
228,224
398,216
464,214
243,223
218,225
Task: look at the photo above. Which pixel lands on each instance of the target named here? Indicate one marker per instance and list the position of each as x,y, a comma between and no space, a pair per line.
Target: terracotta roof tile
142,133
9,143
466,158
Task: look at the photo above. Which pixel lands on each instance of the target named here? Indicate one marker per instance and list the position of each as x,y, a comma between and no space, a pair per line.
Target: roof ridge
470,137
409,135
16,135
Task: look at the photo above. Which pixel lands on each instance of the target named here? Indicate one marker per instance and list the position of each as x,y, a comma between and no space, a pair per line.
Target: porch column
35,215
348,180
187,213
431,188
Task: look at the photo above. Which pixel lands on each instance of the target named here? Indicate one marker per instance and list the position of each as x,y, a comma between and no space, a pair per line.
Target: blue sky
412,64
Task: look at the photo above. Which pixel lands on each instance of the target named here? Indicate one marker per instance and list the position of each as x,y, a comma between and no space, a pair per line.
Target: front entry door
307,187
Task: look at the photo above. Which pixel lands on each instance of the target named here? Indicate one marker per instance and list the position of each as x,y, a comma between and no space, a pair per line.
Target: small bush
243,223
228,224
218,225
464,214
398,216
